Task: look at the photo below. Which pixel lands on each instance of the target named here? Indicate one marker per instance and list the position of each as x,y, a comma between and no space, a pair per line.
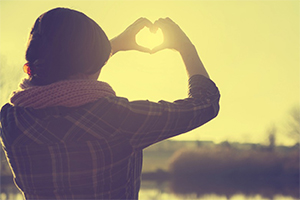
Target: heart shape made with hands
148,39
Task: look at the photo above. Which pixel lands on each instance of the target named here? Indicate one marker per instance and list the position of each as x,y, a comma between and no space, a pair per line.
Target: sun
148,39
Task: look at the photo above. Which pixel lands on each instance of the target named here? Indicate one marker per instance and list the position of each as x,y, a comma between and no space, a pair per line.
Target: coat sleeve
145,123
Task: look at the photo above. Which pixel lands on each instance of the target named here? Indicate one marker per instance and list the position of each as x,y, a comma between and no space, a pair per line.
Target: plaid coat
94,151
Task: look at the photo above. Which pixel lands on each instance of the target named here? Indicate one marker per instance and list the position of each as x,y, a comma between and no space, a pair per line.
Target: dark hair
64,42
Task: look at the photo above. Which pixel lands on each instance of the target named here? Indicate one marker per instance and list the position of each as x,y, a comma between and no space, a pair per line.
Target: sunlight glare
148,39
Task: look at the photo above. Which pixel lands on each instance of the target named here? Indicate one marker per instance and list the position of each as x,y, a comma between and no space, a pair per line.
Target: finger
142,49
146,22
138,20
153,29
134,23
158,48
141,23
160,23
160,20
169,20
165,20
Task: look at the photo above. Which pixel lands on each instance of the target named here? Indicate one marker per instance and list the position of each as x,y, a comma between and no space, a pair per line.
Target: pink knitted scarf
69,93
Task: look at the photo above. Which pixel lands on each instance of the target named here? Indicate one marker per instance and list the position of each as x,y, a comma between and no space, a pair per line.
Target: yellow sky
250,49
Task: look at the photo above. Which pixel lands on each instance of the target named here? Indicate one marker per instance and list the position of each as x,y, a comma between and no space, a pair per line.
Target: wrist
114,46
192,61
186,49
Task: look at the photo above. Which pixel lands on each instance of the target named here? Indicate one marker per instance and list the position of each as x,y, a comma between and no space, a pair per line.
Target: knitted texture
68,93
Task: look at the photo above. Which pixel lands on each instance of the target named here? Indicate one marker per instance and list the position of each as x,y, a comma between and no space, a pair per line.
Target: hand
174,37
126,40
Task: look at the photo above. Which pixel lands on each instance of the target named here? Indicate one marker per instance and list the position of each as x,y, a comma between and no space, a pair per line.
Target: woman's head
65,42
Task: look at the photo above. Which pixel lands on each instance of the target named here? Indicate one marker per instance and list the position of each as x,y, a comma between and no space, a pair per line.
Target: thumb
142,49
158,48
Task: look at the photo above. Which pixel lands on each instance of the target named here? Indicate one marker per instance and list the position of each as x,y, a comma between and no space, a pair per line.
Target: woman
67,135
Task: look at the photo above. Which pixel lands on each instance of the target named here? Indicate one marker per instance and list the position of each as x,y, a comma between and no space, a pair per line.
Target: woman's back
55,154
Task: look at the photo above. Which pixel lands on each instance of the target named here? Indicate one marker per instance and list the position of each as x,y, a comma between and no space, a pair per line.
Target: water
151,190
